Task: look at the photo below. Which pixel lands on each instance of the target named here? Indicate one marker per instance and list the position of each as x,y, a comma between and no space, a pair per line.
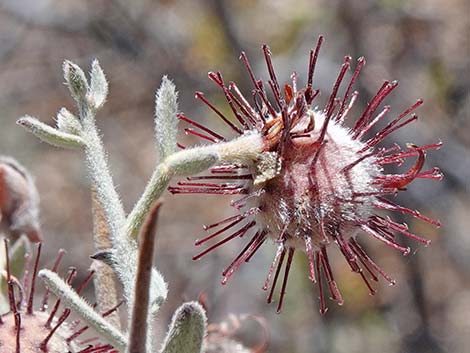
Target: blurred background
424,44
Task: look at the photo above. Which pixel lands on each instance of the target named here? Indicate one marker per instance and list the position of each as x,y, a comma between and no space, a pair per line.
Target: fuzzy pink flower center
318,181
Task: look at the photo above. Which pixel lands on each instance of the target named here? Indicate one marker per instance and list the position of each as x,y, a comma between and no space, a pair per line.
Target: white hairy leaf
166,121
98,85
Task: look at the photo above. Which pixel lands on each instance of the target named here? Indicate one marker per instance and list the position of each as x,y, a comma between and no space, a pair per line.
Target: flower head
315,182
28,329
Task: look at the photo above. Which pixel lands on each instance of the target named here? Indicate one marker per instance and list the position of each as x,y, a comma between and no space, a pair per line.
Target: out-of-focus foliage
424,44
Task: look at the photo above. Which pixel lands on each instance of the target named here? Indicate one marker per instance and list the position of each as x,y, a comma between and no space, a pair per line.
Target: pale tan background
424,44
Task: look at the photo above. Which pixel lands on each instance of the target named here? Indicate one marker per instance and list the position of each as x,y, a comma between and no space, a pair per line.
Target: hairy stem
99,173
154,189
124,249
190,161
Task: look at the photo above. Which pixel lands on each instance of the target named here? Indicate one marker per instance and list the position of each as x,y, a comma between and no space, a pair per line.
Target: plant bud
19,201
76,81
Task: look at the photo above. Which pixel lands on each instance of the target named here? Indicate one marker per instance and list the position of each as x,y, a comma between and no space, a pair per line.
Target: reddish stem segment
29,309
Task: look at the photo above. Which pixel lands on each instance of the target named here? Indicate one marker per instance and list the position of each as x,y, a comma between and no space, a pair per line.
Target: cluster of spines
53,323
237,179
